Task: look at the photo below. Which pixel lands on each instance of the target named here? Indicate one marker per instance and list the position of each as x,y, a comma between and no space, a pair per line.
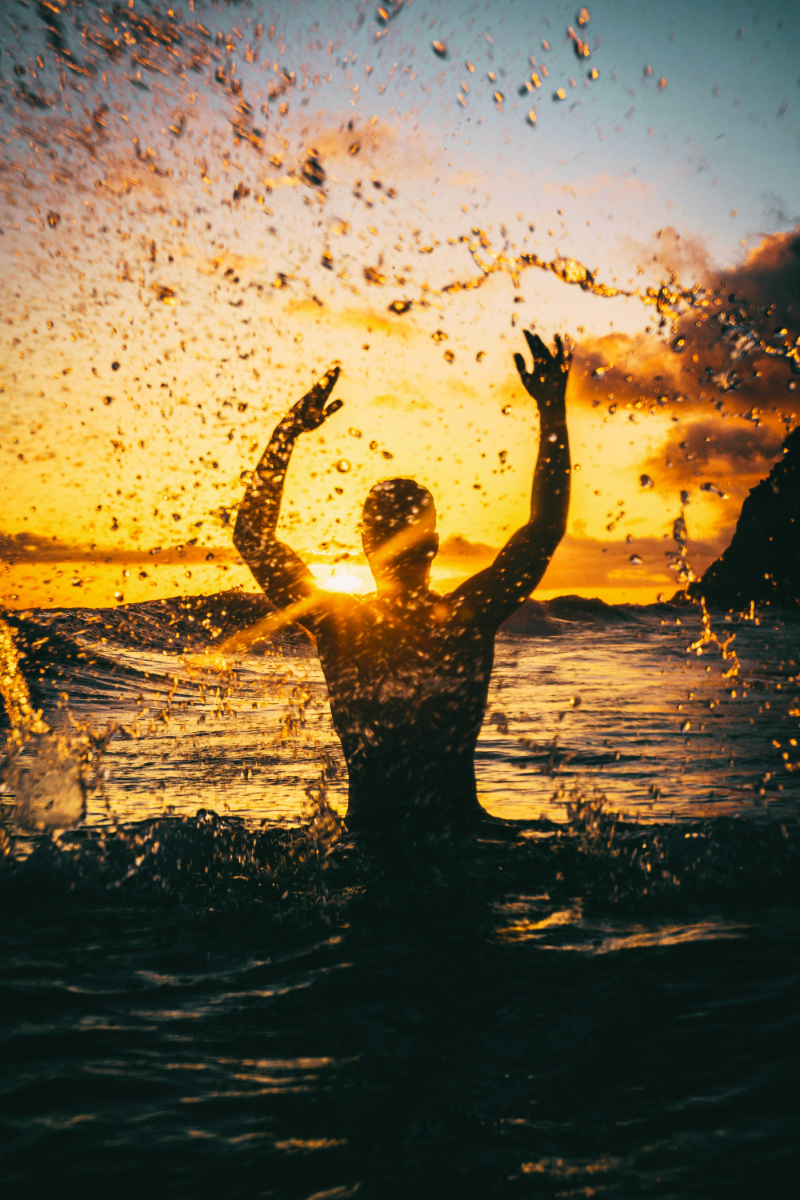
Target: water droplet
439,336
635,560
53,219
506,410
646,482
115,366
343,466
387,454
108,399
480,356
313,170
712,487
449,356
354,432
400,306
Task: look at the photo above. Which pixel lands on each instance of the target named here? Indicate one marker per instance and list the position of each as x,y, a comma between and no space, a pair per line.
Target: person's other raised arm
495,593
281,573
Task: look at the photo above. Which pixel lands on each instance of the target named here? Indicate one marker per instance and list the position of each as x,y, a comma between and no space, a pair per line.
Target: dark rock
762,563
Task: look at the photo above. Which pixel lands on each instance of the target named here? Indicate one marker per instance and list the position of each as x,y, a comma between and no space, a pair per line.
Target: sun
343,578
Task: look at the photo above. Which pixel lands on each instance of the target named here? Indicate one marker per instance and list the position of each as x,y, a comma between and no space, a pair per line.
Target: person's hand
310,412
548,379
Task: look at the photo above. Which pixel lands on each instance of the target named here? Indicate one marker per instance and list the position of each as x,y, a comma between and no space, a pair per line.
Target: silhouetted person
408,670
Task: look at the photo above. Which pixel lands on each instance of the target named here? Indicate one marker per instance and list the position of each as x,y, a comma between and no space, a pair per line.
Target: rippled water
247,1001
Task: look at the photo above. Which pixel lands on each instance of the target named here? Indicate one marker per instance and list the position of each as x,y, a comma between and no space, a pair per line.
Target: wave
605,861
82,651
542,618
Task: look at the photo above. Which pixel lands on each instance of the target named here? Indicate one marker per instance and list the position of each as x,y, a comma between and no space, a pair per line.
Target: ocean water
209,988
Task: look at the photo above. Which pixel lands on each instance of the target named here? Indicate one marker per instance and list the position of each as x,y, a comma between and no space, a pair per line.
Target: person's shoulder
462,608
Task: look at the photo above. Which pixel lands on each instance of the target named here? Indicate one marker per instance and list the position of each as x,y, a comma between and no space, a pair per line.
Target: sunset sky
201,211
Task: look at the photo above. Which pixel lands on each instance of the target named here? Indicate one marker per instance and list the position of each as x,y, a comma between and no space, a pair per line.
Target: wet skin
407,670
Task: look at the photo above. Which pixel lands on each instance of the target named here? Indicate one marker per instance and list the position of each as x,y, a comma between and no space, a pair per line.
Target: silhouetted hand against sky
548,379
310,412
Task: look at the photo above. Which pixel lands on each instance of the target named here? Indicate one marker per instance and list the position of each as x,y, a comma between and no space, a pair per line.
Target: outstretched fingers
563,355
325,384
519,363
537,347
312,408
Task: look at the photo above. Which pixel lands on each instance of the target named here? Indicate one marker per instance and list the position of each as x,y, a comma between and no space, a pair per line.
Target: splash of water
671,299
48,768
24,719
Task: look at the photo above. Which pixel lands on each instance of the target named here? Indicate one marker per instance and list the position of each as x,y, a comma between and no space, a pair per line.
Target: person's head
398,532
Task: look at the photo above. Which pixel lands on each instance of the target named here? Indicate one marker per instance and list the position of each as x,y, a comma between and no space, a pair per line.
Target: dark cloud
729,454
32,548
456,546
729,357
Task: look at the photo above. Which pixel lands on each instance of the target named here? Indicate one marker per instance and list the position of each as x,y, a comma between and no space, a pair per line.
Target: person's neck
403,592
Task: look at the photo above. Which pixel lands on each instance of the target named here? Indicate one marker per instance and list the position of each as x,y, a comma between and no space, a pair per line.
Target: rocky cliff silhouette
762,563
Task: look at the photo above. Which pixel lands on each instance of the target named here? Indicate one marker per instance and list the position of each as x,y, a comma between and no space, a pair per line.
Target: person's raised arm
495,593
281,573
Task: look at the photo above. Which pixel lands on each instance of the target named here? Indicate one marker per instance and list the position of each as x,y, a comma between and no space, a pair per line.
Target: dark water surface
245,1001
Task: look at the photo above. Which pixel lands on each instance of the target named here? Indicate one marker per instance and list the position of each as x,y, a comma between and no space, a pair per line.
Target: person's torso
407,691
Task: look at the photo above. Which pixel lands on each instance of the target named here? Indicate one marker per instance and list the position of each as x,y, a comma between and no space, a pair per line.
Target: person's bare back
408,671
